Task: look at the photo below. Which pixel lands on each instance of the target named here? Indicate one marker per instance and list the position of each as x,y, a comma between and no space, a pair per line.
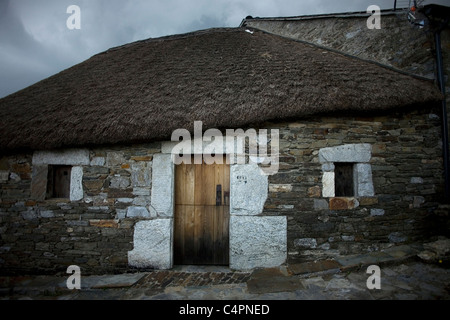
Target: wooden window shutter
343,178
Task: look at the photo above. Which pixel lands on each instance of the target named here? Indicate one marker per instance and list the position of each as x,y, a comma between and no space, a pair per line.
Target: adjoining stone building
87,172
398,43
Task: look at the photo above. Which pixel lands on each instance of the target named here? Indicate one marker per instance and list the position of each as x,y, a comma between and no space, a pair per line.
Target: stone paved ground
403,277
164,279
407,281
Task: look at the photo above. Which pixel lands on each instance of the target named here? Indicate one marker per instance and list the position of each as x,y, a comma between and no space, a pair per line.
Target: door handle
218,195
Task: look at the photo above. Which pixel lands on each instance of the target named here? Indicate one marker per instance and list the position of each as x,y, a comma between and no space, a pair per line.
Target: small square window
343,179
58,182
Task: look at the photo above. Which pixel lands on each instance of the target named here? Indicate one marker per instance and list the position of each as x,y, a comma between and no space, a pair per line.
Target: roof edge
419,77
354,14
173,37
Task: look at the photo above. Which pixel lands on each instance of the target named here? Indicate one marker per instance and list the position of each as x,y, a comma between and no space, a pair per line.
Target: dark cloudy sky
35,42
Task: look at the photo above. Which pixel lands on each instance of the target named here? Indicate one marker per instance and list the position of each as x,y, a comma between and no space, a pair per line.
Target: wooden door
202,213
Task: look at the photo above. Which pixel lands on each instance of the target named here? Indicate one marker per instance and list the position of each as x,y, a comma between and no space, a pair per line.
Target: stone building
89,176
398,43
402,43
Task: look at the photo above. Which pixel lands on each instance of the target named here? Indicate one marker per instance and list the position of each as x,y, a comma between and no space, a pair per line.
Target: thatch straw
227,78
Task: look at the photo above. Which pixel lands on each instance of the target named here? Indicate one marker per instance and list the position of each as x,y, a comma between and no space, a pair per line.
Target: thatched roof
227,78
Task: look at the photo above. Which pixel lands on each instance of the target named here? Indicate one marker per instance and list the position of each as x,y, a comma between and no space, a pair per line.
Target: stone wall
403,180
95,231
403,195
118,223
397,44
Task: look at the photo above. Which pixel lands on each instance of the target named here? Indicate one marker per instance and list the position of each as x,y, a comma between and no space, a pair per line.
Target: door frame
165,200
249,247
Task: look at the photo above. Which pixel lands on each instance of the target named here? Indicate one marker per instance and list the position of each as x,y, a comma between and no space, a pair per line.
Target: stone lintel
226,145
360,152
71,157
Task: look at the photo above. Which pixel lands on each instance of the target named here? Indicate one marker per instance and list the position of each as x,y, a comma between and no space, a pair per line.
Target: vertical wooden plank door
202,214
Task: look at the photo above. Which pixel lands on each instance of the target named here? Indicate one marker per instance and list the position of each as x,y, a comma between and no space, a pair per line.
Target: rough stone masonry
299,219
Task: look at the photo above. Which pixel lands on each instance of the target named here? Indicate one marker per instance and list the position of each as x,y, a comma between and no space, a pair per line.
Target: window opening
58,181
343,179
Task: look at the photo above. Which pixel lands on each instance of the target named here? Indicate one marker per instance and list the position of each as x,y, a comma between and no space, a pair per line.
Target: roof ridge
177,36
348,55
344,14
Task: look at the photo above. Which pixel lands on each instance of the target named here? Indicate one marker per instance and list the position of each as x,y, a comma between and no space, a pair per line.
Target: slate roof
226,77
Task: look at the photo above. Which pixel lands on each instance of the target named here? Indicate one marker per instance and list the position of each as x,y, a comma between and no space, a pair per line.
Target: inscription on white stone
249,189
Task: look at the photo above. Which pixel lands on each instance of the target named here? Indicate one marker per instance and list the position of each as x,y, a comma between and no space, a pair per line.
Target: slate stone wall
397,43
97,232
406,177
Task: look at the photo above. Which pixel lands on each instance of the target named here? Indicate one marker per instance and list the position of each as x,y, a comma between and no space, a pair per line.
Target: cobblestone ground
413,281
163,279
407,280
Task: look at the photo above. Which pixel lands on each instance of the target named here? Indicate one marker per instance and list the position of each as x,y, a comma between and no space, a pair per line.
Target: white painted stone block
248,189
328,184
362,174
152,244
361,152
163,179
71,157
76,184
257,242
